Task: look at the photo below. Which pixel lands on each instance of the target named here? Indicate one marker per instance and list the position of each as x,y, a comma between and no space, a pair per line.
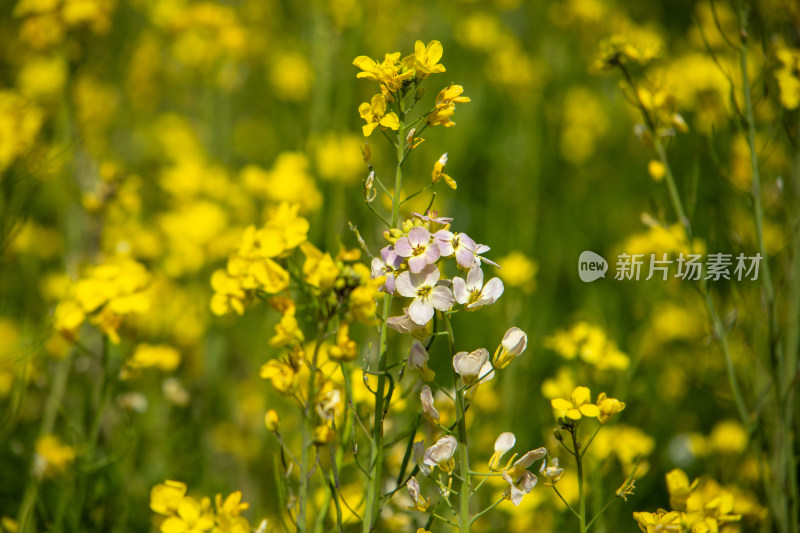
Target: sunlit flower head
502,445
519,486
426,58
427,295
552,472
514,343
473,365
419,248
472,293
579,404
438,173
608,407
387,265
374,113
441,453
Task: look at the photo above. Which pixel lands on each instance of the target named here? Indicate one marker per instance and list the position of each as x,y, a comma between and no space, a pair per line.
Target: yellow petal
581,395
560,404
365,63
390,121
379,105
434,52
590,410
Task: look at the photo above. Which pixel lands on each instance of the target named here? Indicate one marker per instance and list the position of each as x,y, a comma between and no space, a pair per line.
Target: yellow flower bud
272,421
656,169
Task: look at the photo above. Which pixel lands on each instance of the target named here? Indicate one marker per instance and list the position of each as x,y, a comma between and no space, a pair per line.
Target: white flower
552,472
458,244
386,265
469,365
420,502
419,457
404,324
514,343
419,248
418,360
427,295
527,460
519,486
473,293
502,446
428,409
441,453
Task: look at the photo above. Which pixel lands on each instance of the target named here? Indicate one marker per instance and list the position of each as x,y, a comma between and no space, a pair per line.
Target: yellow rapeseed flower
52,457
579,404
374,113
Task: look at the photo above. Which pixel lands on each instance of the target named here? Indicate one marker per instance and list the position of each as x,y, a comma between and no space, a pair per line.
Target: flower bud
272,421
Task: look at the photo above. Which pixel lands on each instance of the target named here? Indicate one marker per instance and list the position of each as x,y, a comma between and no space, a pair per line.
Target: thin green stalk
308,430
495,504
566,502
375,486
581,494
782,441
674,195
52,405
464,491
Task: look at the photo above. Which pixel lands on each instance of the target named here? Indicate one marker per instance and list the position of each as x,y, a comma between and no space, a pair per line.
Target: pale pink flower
403,323
419,248
386,265
519,486
427,294
458,244
473,293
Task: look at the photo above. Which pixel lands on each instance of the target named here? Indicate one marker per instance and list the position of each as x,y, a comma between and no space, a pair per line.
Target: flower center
423,292
418,250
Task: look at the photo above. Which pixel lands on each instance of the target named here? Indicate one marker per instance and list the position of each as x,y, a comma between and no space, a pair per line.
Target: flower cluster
412,264
105,294
580,405
697,508
253,267
179,513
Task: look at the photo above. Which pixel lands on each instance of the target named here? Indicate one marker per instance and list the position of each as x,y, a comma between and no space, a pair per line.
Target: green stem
495,504
464,491
786,492
566,503
581,495
308,429
375,487
674,195
48,422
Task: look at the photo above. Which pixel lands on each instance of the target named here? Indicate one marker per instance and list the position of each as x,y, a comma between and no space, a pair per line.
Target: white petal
431,275
528,459
417,356
420,311
441,298
417,263
378,268
515,341
487,372
475,278
493,290
404,285
418,236
505,442
460,290
403,248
